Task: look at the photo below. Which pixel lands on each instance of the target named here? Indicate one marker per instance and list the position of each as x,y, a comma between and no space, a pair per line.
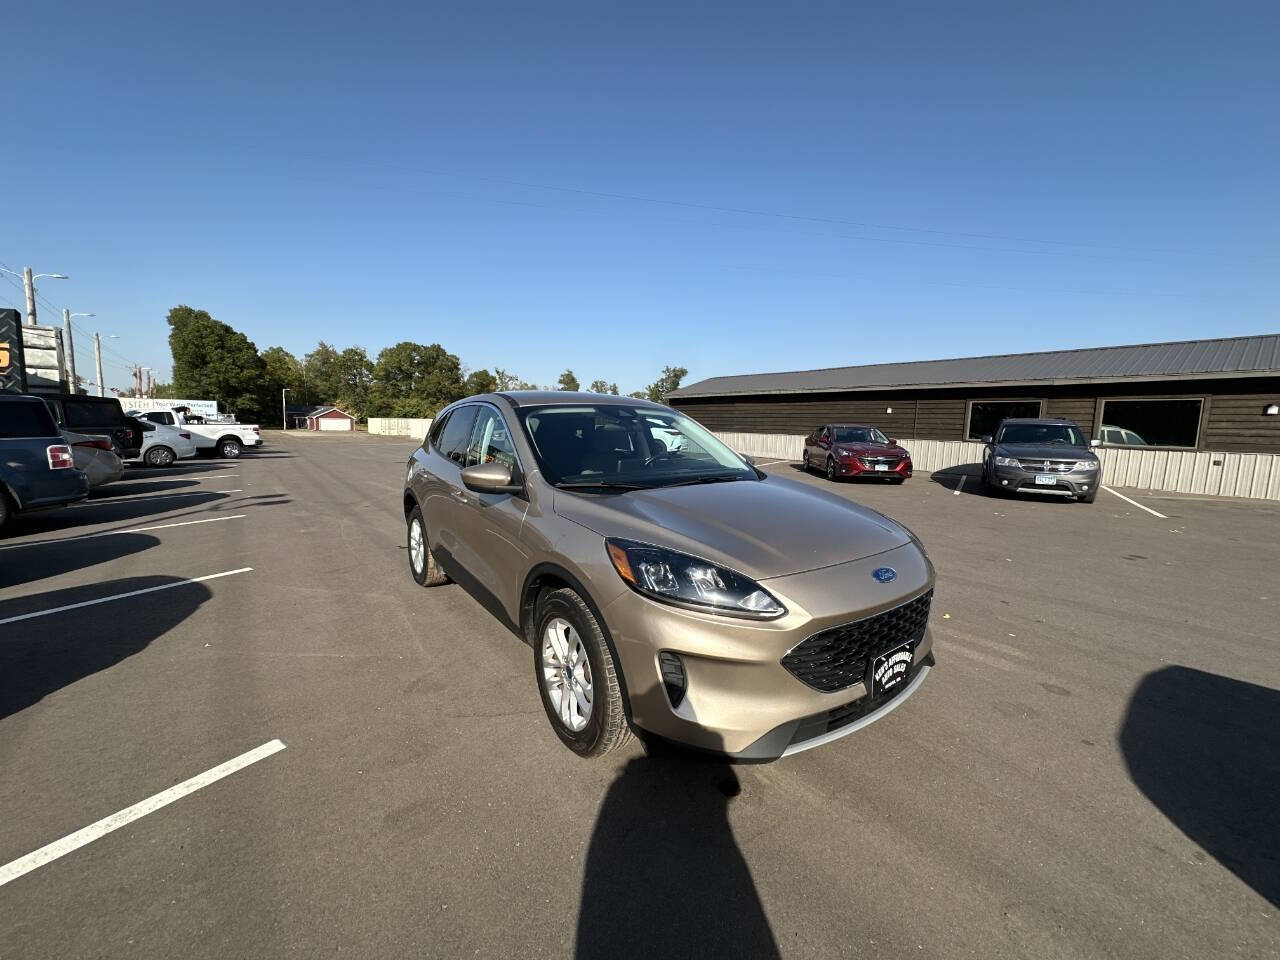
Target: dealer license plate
889,671
882,466
1046,480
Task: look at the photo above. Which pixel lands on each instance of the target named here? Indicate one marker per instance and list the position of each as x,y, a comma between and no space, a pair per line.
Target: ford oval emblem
885,574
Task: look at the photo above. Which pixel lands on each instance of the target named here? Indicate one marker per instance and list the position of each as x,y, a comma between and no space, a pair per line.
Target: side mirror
987,439
893,442
490,478
1095,442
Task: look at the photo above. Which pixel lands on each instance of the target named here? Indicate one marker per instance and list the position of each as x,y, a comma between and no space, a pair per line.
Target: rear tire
572,662
5,512
160,457
229,448
422,565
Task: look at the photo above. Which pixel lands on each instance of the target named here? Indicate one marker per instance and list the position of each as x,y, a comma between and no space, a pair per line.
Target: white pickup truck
211,437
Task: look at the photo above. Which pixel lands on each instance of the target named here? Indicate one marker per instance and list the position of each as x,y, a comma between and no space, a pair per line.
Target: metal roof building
1190,394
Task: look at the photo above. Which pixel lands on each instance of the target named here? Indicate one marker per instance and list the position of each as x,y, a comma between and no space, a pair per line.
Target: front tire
831,469
160,457
229,448
577,678
422,565
4,509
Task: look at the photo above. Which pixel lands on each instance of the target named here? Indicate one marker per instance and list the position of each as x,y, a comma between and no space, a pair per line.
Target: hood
1035,451
872,449
762,529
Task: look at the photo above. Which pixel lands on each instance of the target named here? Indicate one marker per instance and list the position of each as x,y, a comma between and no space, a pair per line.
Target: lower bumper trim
861,722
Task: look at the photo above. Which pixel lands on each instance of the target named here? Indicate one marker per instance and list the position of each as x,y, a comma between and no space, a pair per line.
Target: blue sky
614,187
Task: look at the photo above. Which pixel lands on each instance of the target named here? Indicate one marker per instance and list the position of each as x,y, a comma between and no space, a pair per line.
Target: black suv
98,417
37,469
1041,456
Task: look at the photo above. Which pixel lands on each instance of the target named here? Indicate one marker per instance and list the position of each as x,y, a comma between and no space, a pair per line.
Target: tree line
212,360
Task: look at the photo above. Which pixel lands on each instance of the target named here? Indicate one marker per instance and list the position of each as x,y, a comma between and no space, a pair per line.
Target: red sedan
855,450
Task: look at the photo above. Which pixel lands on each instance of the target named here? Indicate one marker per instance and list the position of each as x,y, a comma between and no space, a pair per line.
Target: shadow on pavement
664,876
41,656
129,486
1204,749
87,514
25,563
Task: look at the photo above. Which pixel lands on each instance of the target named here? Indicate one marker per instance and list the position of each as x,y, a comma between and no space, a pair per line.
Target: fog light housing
1004,483
672,676
1084,486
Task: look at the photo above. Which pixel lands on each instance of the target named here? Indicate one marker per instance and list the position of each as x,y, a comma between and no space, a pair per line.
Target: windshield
857,435
1041,434
613,445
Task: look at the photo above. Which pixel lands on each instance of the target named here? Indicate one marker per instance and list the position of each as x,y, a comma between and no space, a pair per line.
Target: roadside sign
13,371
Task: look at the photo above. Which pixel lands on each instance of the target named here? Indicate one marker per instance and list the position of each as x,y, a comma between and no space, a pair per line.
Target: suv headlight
1086,464
686,581
1007,462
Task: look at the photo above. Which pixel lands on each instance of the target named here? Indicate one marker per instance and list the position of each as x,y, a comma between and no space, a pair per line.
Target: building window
1151,423
986,415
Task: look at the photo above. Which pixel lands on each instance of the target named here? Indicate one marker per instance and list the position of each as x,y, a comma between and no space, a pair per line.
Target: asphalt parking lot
1092,771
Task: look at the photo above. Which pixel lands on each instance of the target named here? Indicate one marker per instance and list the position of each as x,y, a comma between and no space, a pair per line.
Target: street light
284,410
29,284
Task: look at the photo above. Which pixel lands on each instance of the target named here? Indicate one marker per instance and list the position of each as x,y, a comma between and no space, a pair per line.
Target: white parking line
765,463
162,496
112,533
960,485
120,596
60,848
1135,503
197,477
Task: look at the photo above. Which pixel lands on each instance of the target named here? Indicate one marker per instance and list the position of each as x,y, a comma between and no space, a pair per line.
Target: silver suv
665,584
1040,456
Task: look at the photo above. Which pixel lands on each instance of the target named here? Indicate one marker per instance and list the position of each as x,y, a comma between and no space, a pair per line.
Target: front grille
838,657
872,461
1048,466
845,714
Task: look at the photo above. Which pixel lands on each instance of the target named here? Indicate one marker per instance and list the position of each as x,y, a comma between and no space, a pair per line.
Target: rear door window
26,419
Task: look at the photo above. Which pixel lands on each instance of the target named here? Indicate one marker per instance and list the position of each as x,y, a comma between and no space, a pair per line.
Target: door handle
458,495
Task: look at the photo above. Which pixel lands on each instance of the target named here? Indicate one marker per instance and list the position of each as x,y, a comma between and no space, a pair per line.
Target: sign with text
13,372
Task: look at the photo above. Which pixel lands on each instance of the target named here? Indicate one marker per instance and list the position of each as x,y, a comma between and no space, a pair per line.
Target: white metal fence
1255,475
400,426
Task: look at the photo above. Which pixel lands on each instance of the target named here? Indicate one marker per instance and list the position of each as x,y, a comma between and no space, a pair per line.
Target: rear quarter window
26,419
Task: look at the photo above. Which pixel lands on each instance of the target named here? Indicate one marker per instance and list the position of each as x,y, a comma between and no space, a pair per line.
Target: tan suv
666,585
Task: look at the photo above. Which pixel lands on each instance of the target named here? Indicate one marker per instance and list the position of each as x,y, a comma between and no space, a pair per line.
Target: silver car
96,457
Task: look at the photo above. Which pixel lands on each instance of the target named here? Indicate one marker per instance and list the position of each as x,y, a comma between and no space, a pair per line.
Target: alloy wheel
831,469
566,674
417,546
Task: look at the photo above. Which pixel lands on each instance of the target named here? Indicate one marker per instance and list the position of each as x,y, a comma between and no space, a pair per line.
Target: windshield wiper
600,484
713,478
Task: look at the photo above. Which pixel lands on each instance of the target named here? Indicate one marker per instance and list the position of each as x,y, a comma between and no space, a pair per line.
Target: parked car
1122,437
855,450
1040,456
220,439
95,456
163,445
97,416
684,594
37,468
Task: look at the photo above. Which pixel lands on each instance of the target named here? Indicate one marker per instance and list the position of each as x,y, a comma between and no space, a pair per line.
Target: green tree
665,384
284,371
526,385
640,395
504,380
598,386
567,381
213,361
613,389
353,371
322,374
414,380
480,381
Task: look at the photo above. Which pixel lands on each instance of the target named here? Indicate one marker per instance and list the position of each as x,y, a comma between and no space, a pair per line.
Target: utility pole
97,360
284,409
71,348
148,392
29,282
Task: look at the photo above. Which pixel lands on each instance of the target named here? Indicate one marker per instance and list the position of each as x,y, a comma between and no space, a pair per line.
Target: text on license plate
1046,480
882,466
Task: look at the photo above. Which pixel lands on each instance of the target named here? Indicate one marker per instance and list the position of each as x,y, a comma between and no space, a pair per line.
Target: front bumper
1077,483
856,467
738,698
